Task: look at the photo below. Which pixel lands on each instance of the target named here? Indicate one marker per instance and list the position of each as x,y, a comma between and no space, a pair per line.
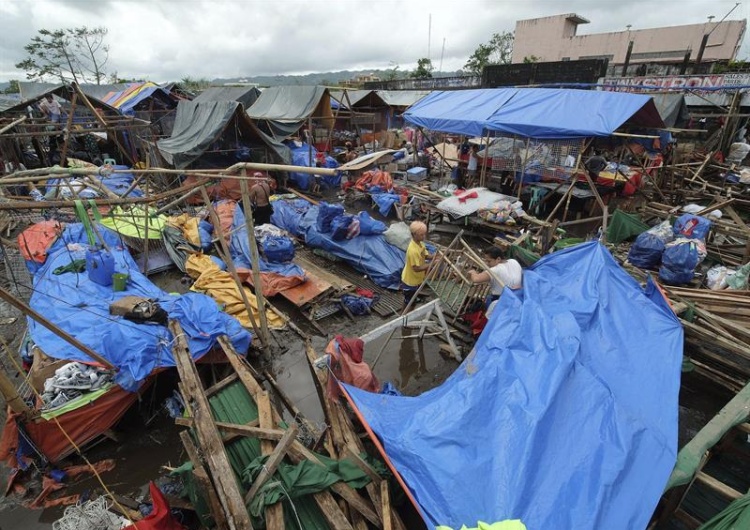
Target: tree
195,85
12,87
531,59
424,69
499,50
392,73
71,54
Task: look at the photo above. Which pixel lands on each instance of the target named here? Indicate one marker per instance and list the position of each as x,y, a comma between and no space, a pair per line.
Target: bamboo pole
255,265
28,311
227,256
12,124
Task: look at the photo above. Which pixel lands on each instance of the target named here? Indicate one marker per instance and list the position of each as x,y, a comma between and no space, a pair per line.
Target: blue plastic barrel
100,265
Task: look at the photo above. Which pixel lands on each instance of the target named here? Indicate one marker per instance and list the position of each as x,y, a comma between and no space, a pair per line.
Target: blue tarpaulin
543,113
81,308
301,157
371,255
563,416
239,247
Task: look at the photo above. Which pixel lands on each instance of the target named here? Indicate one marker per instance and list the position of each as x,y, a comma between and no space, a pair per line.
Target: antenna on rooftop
442,52
429,35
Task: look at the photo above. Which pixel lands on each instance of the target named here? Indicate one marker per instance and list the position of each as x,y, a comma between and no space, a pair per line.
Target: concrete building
555,39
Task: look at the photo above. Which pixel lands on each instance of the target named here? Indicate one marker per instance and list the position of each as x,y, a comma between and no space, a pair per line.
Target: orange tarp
82,425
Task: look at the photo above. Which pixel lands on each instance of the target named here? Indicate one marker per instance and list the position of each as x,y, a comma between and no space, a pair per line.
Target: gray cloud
166,39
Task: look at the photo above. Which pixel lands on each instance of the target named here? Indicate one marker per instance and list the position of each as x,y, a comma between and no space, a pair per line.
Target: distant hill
325,78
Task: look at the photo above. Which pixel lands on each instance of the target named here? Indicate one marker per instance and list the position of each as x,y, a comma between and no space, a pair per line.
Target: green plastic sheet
736,516
623,226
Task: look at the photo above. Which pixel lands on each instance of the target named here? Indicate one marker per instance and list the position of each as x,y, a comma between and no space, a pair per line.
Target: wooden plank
273,462
331,511
353,455
718,486
210,391
237,362
274,513
208,435
320,386
386,498
226,437
298,452
204,483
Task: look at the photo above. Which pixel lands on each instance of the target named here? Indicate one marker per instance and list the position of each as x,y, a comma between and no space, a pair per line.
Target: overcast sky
165,40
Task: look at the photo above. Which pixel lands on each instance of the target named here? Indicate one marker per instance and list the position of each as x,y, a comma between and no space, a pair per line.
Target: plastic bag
398,235
354,228
691,226
680,259
278,249
647,250
716,277
663,231
326,214
369,226
339,226
739,280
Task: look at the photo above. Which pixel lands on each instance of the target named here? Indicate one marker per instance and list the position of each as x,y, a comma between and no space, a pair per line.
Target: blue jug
100,265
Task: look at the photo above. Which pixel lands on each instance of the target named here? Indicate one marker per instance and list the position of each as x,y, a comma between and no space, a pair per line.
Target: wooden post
274,512
204,483
68,128
273,462
230,264
11,396
104,123
255,264
28,311
145,238
483,176
523,167
208,435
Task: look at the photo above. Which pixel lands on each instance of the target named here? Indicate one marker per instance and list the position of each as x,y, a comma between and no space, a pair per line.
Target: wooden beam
273,462
275,512
242,370
204,483
386,499
718,486
208,435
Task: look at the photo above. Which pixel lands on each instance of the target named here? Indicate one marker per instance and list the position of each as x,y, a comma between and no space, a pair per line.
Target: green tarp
623,226
736,516
733,413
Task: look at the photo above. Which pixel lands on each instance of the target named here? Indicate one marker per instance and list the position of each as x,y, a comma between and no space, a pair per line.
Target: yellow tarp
189,227
131,222
219,285
509,524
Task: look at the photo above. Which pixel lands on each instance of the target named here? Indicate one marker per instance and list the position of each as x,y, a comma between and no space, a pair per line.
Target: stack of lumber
220,449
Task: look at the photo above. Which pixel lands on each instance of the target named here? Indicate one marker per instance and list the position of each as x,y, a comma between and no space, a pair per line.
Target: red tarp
82,425
160,518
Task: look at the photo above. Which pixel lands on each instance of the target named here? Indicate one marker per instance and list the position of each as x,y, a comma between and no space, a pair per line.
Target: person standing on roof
51,108
502,273
260,197
416,261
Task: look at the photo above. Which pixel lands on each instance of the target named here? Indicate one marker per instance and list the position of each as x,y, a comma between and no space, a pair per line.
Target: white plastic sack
716,277
695,208
398,235
663,231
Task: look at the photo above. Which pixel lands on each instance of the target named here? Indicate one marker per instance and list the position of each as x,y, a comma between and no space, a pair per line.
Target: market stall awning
281,110
243,94
540,113
563,415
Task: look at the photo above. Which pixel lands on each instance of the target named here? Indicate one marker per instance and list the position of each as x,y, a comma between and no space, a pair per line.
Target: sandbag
340,226
369,226
278,249
326,214
647,250
691,226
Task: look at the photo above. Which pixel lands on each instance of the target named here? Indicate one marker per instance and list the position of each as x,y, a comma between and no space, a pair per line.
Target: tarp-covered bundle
369,254
563,416
129,98
81,308
533,112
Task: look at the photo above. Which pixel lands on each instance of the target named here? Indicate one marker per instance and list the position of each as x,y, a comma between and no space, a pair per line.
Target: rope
120,508
91,515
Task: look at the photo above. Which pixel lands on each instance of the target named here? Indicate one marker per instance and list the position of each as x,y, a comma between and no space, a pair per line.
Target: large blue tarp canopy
369,254
564,415
80,307
542,113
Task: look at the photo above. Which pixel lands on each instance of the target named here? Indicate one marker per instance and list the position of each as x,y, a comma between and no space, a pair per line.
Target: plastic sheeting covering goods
81,308
563,416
